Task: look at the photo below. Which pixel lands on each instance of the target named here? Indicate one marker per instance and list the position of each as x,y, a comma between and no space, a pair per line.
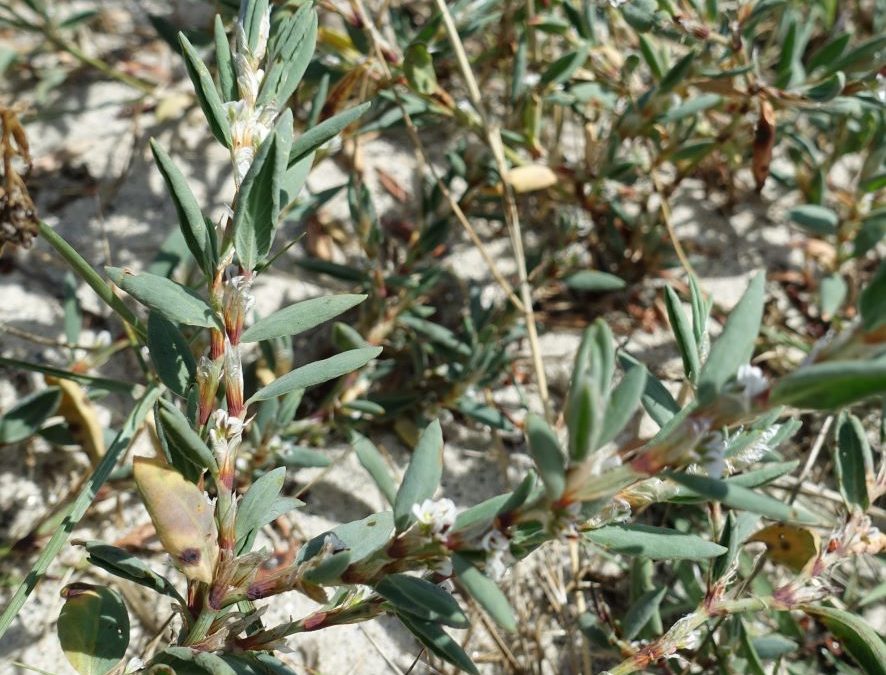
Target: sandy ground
123,222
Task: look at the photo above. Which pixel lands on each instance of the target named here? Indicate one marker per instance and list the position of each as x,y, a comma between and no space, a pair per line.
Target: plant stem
201,626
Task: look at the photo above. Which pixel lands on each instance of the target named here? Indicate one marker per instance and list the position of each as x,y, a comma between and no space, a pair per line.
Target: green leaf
853,461
547,455
658,543
316,136
251,16
419,69
190,217
422,599
829,385
262,505
656,400
317,372
735,346
207,94
677,73
361,537
814,218
167,298
291,53
641,611
85,271
93,628
872,303
78,508
127,566
187,441
258,201
833,292
871,233
485,591
300,317
171,354
25,418
438,642
564,67
422,475
298,457
224,62
594,280
739,497
862,642
187,661
827,89
374,463
737,528
623,403
684,334
692,107
73,313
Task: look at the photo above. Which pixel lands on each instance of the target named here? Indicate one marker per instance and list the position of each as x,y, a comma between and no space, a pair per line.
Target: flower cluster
498,554
435,518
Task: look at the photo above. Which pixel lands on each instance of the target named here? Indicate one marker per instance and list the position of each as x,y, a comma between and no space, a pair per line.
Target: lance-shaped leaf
656,399
829,385
187,441
422,475
207,94
224,62
594,280
735,346
123,564
654,542
815,218
739,497
28,415
262,505
862,642
641,611
677,73
683,333
316,136
190,217
485,591
418,66
872,303
258,202
547,455
300,317
171,300
93,628
854,461
171,354
374,463
737,528
438,642
623,403
181,515
317,372
291,54
422,599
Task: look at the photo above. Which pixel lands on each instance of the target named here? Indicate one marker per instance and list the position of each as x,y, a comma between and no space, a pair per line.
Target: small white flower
243,157
134,665
881,87
715,455
436,517
753,381
103,339
442,567
226,426
494,540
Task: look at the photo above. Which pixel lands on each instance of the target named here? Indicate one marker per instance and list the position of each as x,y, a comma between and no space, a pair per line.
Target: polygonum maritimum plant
717,445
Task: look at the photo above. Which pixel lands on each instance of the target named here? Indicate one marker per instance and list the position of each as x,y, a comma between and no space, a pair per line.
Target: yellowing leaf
793,547
181,515
81,416
531,178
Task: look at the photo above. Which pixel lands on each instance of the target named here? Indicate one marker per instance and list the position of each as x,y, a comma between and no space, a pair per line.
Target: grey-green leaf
547,455
422,599
300,317
594,280
872,303
735,346
815,218
641,610
684,334
832,384
258,506
171,300
658,543
485,591
853,461
862,642
422,475
439,642
739,497
93,628
190,217
170,353
123,564
316,136
27,416
374,463
317,372
207,94
623,403
187,441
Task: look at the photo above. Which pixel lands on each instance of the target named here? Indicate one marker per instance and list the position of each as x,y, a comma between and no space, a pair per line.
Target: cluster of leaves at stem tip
717,444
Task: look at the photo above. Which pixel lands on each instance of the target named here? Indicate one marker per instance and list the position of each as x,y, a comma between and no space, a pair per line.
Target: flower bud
234,381
238,301
208,373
